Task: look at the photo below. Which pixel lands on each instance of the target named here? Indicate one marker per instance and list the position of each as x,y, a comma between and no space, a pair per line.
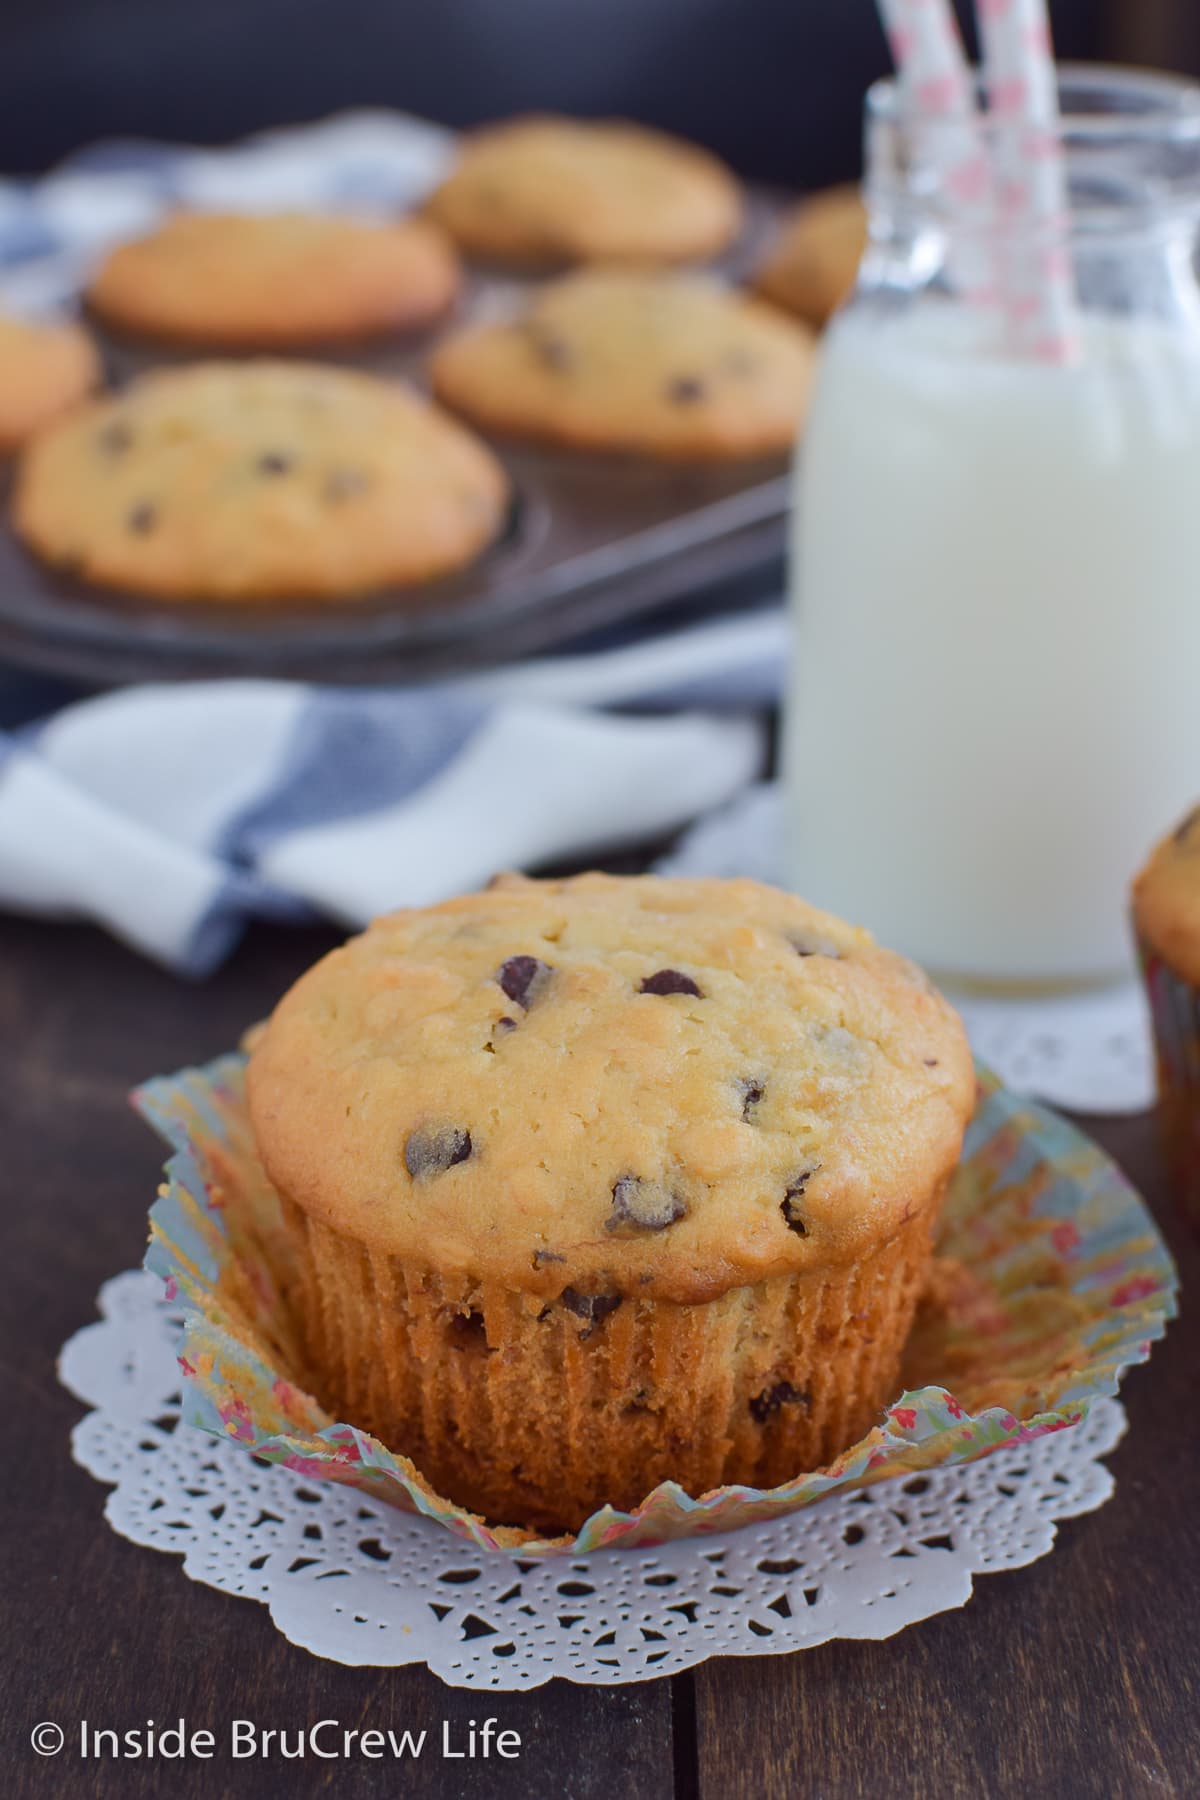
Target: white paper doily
1089,1052
363,1583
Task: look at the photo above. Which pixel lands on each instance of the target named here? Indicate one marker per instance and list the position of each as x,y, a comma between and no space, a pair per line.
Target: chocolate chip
639,1205
521,977
546,1256
274,462
500,1029
115,439
670,981
344,484
1188,826
814,946
794,1193
931,1062
771,1399
551,351
142,518
685,390
595,1308
752,1090
433,1152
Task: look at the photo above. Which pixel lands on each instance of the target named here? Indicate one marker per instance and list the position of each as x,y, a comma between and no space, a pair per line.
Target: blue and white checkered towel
172,814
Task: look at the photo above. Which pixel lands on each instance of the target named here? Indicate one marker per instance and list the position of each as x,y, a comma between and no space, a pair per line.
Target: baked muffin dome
1166,898
277,281
663,1155
612,1078
543,189
261,480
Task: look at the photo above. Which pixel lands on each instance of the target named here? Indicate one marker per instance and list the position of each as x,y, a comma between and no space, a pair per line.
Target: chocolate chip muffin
46,367
813,263
545,190
669,366
276,281
1166,914
258,481
597,1183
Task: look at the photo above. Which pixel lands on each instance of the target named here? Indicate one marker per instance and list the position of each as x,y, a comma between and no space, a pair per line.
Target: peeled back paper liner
1050,1279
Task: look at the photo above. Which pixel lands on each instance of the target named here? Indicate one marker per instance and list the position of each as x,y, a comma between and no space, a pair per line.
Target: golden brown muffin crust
45,368
653,1087
544,189
259,481
812,265
276,281
661,365
1166,899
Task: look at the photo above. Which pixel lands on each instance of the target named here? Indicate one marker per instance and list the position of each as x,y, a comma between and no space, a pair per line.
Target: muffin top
813,263
619,1085
46,366
276,280
674,366
258,480
1166,899
543,189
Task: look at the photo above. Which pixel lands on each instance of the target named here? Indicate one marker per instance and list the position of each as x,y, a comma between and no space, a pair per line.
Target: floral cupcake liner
1050,1280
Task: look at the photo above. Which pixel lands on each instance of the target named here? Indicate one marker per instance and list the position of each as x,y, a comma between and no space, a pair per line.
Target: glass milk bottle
995,701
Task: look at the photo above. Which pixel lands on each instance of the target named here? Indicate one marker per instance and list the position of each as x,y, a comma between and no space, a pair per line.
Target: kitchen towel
172,813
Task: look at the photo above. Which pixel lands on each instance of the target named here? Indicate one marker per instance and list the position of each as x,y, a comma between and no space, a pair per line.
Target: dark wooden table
1079,1676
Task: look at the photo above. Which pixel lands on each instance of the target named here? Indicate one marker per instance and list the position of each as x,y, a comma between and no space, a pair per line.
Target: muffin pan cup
1051,1280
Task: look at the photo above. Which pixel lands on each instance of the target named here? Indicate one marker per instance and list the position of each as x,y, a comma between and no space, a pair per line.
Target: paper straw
936,82
1029,179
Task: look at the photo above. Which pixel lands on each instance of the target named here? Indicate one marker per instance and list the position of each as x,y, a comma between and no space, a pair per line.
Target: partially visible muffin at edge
47,366
812,265
1166,917
597,1183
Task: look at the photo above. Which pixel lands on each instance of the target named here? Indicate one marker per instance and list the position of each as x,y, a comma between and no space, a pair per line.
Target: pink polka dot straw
1037,286
1010,177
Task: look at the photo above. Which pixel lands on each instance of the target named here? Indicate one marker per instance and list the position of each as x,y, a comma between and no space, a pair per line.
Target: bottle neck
1119,220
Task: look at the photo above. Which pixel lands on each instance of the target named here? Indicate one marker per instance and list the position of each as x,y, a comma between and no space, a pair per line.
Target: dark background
775,85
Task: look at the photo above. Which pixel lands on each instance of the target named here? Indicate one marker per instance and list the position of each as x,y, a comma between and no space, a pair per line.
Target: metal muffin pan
591,540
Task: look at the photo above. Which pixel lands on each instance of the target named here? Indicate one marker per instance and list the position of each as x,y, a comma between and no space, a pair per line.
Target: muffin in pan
670,366
545,190
46,367
1166,914
258,481
597,1183
275,281
812,266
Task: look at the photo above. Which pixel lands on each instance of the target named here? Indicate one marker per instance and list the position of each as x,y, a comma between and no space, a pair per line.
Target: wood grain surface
1077,1677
